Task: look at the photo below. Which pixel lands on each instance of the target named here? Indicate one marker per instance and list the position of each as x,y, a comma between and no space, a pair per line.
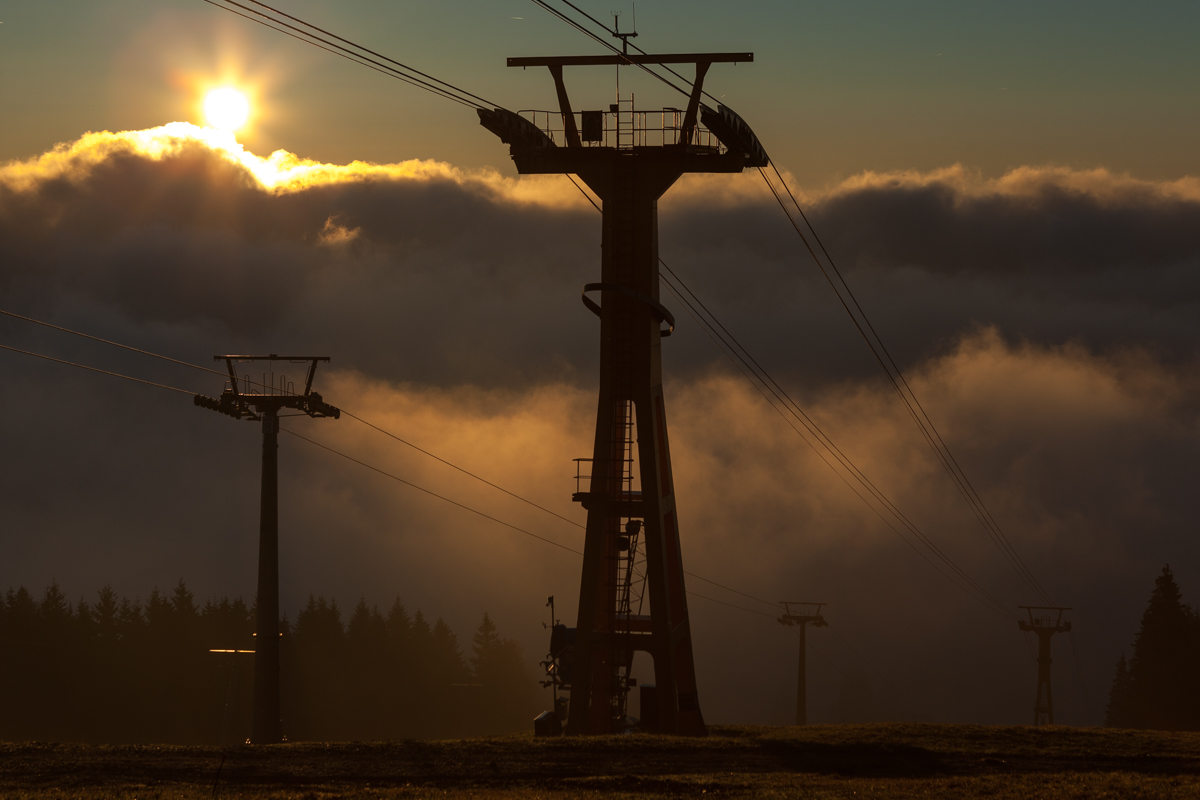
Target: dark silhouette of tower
629,158
264,404
815,619
1045,621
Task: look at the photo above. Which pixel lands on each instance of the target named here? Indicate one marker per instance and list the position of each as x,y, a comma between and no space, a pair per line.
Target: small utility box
547,724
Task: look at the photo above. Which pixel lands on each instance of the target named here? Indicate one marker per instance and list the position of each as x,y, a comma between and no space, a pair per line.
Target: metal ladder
624,556
625,116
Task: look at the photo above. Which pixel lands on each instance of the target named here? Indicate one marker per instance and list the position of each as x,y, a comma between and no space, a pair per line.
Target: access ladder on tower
625,127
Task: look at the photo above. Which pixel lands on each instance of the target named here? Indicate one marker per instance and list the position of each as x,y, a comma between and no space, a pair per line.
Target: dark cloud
1047,319
1045,254
1044,221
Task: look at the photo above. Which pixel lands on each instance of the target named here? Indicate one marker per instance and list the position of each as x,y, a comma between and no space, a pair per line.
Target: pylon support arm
564,105
689,118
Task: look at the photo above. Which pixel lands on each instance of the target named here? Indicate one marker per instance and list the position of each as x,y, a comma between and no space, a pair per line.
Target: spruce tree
1117,713
508,695
367,671
483,644
119,670
1158,690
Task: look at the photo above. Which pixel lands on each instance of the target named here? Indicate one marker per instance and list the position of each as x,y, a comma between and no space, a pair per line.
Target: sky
835,89
1012,192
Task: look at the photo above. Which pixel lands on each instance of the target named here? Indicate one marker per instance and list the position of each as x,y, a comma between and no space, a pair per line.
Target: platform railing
650,129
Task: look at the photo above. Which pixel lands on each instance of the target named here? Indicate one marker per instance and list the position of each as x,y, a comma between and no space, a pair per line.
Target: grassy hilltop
842,761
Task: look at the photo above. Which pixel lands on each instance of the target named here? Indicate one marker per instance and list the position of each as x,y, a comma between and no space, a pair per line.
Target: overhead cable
497,520
94,369
616,50
112,343
361,55
908,397
745,362
351,458
460,469
963,580
612,32
972,588
451,86
432,494
364,422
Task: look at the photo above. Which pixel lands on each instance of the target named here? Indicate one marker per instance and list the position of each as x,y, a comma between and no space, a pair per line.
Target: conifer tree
1158,688
367,671
399,686
118,670
1116,715
508,696
483,646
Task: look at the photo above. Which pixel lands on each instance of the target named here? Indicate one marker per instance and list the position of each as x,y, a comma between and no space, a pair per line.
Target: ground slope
850,761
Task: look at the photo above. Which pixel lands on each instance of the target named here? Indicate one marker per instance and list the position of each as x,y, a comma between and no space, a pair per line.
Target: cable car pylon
264,404
809,614
629,163
1045,621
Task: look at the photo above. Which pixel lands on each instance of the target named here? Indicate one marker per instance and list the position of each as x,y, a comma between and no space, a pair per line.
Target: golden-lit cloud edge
281,172
285,172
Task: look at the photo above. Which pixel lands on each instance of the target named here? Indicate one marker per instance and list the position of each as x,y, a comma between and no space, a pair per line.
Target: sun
226,108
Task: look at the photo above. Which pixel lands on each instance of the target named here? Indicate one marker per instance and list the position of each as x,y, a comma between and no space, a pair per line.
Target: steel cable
94,369
751,365
918,414
461,91
497,520
330,47
920,418
358,419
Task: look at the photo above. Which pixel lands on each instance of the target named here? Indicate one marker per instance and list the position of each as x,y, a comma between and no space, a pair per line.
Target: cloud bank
1046,318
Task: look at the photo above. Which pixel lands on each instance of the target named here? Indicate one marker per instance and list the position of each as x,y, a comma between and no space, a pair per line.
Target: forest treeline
120,670
1158,687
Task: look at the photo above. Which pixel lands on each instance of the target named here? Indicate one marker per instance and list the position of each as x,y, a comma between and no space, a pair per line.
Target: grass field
820,761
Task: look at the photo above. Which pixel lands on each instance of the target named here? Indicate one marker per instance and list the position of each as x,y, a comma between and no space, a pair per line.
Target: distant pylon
1045,624
790,618
264,404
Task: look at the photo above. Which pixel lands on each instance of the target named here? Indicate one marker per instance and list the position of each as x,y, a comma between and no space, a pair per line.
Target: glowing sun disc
226,109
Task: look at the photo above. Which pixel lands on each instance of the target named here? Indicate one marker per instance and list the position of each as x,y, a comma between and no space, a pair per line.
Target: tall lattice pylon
629,173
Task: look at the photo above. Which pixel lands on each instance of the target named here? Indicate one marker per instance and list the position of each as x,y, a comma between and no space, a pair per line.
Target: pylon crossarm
615,59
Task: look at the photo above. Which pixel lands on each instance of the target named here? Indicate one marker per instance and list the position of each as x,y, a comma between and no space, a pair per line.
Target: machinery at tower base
632,594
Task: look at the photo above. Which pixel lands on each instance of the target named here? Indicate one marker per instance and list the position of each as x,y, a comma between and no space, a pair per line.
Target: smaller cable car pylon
263,404
808,614
632,550
1045,621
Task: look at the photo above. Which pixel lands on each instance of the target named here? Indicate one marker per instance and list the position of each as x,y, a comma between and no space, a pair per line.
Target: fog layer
1047,320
